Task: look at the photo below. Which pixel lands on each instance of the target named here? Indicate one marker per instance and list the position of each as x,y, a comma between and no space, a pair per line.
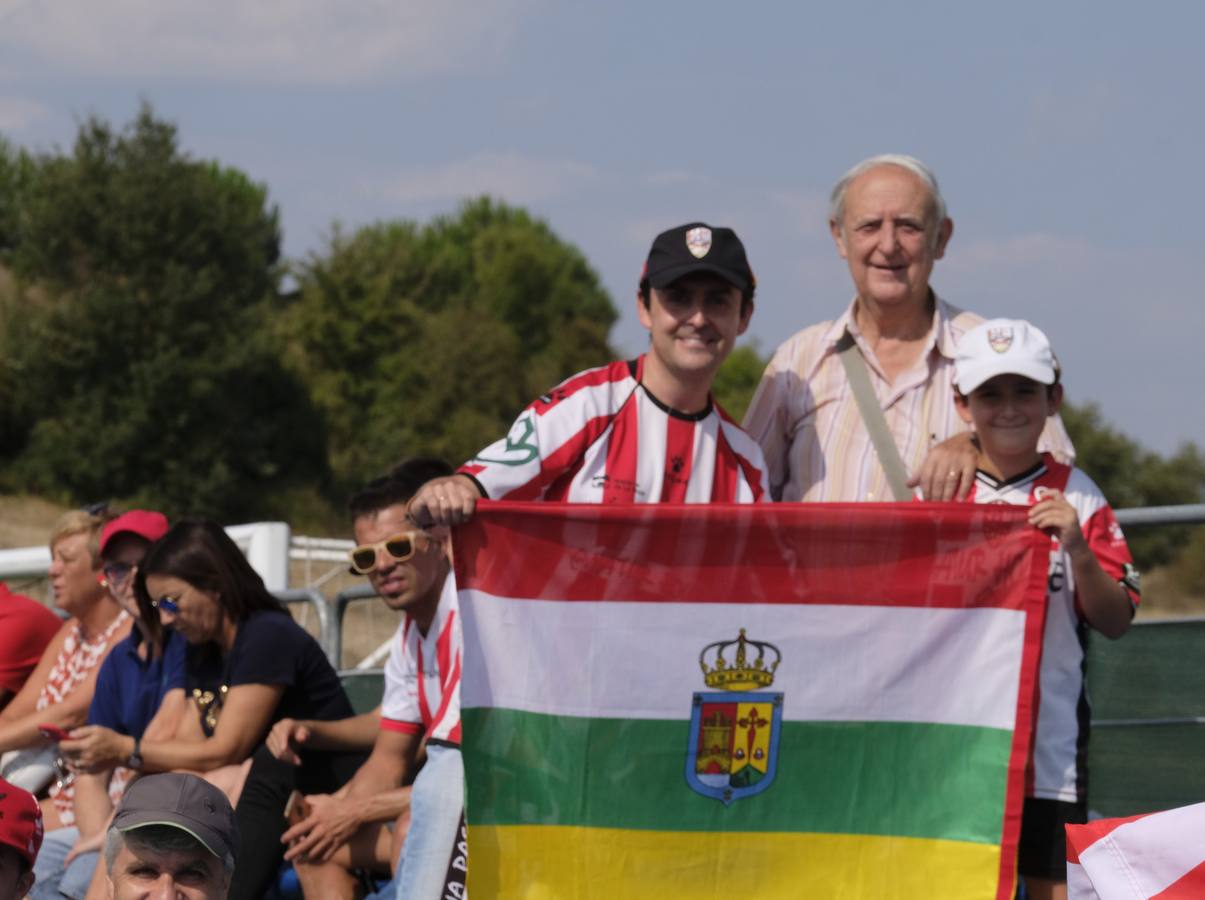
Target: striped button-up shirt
806,419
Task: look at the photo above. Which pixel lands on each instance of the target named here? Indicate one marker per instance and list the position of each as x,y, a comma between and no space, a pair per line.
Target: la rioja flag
706,701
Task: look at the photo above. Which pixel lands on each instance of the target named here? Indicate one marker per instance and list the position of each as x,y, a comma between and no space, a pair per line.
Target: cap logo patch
698,242
1000,339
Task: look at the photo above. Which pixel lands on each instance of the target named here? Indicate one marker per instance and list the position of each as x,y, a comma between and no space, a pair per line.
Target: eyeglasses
117,572
167,605
400,547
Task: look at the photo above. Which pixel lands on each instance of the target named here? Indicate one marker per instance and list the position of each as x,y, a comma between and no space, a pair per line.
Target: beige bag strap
872,415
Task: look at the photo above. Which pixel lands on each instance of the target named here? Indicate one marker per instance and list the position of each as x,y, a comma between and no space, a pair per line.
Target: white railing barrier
265,544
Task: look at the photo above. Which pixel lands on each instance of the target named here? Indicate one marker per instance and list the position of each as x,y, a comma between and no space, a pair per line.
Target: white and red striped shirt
601,437
422,676
1061,739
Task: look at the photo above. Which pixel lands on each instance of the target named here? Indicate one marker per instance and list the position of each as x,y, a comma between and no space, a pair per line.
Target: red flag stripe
839,562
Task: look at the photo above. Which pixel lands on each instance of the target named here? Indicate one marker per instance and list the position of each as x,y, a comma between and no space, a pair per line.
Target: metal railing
1141,516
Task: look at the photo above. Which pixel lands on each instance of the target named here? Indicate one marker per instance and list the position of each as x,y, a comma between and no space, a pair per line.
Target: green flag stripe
882,778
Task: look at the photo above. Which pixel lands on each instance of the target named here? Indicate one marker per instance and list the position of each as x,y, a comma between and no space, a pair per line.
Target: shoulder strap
872,415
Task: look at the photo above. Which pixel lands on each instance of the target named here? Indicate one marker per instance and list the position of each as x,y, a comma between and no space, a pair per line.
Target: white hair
836,200
158,839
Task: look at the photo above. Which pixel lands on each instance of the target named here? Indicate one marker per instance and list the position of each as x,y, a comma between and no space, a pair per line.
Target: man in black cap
172,836
642,431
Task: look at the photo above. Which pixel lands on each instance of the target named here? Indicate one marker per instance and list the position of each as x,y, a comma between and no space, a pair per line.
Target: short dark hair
397,487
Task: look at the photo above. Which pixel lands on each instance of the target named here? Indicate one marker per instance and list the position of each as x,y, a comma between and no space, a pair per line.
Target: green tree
738,379
430,339
1130,476
134,348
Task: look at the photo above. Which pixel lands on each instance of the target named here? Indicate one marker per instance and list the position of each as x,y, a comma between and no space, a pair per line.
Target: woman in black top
249,665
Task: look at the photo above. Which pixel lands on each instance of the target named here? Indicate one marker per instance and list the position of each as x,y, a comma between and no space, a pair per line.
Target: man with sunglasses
409,569
643,431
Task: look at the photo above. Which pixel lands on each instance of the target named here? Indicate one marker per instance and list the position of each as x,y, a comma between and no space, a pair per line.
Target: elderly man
173,836
889,222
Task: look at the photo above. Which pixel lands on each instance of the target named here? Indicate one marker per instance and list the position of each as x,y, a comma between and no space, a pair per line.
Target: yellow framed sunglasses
399,547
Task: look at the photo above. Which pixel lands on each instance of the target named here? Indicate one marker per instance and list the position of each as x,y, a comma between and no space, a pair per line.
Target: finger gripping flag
733,701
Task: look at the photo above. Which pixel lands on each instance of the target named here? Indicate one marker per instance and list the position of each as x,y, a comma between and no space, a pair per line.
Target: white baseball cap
1003,347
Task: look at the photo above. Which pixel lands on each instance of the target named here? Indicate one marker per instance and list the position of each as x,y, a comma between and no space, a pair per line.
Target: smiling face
198,618
694,324
72,575
889,238
1009,413
412,585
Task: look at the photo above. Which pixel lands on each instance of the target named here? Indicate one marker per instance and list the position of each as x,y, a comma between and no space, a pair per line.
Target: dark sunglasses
400,547
167,605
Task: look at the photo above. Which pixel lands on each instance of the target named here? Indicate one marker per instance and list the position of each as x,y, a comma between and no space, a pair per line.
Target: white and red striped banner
1158,856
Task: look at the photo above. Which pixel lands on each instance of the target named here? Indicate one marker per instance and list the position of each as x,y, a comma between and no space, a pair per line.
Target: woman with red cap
139,692
59,691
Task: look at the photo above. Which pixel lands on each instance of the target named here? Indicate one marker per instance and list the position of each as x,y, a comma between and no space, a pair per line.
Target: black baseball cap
181,801
697,247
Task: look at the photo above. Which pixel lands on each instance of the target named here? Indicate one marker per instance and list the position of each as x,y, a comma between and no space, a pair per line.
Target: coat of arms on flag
733,741
771,701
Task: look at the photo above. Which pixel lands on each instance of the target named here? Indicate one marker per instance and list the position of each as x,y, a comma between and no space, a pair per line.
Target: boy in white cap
1006,386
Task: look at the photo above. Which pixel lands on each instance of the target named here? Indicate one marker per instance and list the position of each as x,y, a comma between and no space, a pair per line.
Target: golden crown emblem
741,674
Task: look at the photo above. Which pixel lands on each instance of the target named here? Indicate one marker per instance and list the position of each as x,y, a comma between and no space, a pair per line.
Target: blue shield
733,745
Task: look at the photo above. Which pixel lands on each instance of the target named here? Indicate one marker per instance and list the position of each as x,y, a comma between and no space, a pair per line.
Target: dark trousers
260,811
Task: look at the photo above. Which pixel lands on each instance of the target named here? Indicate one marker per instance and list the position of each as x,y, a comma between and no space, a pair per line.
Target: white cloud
18,114
516,179
283,41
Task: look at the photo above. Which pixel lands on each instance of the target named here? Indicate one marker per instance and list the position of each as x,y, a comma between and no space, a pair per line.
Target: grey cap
182,801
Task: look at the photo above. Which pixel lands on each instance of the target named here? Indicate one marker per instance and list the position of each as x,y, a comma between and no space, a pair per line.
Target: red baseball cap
20,821
142,522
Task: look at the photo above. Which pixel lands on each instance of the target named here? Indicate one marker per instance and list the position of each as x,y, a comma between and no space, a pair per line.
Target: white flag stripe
839,663
1142,858
1079,885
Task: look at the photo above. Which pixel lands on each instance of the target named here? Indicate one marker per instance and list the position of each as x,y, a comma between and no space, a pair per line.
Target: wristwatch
134,760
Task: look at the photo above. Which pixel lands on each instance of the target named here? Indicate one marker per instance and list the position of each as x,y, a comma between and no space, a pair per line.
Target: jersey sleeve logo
1131,578
520,447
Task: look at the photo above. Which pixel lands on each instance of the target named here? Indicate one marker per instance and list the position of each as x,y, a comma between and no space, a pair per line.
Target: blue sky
1066,138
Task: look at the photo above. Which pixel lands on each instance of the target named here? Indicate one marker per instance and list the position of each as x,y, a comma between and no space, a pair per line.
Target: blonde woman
59,691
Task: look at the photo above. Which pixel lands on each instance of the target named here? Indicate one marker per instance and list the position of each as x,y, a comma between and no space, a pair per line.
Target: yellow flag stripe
569,863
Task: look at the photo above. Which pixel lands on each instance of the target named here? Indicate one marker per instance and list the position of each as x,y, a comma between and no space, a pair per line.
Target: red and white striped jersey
422,676
601,437
1061,739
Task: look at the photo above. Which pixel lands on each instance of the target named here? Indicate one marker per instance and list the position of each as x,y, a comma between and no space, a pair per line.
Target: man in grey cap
173,836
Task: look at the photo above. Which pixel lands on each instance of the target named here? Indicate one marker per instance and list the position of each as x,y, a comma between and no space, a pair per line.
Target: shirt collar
941,333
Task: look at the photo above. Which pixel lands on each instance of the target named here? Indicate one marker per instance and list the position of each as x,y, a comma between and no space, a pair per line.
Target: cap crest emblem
1000,339
698,242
